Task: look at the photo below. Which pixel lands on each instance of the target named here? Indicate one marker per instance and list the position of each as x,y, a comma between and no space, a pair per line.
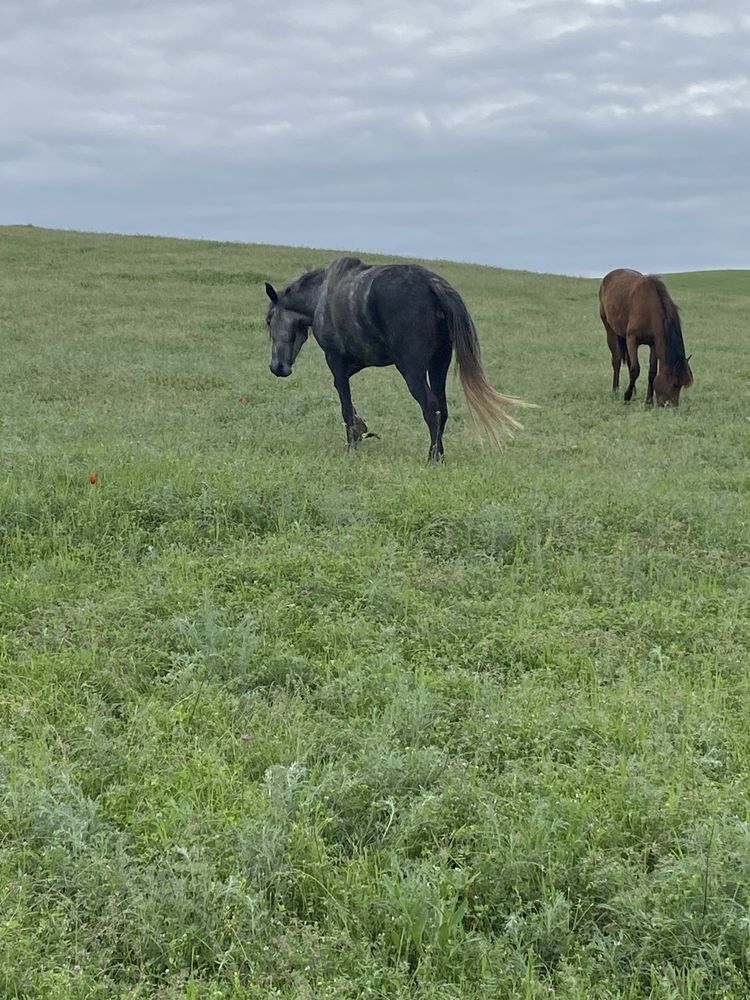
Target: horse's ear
271,292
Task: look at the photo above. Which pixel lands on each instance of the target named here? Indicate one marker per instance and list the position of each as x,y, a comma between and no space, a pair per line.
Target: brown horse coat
637,309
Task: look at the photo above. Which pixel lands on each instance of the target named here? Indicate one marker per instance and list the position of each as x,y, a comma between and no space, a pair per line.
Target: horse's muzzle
280,370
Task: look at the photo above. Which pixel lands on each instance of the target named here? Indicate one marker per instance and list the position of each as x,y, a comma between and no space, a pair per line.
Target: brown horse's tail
486,404
674,343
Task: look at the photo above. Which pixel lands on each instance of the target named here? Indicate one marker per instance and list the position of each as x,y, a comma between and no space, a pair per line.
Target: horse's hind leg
438,372
424,394
653,364
635,368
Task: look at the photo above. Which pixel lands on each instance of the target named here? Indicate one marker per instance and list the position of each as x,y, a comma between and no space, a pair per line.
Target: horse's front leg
635,368
356,428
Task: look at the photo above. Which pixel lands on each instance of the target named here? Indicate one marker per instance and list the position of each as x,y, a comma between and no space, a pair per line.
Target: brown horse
637,309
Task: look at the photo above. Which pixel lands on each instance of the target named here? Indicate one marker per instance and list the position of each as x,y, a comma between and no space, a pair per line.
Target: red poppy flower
92,477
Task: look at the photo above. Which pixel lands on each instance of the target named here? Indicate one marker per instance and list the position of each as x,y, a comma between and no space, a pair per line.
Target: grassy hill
279,720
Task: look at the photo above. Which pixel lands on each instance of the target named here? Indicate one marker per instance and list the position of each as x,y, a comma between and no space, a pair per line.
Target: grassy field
282,721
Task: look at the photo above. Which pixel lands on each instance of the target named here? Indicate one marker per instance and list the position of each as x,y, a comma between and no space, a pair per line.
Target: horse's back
618,284
629,302
377,312
382,287
403,298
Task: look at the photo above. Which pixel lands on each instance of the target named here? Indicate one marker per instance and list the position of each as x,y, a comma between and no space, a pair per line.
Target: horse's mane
674,344
305,279
340,267
296,294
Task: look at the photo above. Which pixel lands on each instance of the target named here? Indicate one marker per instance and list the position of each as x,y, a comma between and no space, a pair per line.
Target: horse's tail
674,343
486,404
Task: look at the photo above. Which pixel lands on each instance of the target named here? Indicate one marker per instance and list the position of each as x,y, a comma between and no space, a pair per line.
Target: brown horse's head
670,379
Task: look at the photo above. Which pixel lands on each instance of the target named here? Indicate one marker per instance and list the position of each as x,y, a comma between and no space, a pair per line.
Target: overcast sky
555,135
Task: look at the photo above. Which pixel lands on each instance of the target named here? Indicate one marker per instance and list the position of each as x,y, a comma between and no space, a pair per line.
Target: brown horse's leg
613,342
635,368
652,366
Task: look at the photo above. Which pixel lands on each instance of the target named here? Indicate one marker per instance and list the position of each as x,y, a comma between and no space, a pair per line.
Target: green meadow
280,720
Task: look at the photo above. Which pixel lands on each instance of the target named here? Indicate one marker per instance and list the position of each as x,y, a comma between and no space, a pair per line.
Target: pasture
278,720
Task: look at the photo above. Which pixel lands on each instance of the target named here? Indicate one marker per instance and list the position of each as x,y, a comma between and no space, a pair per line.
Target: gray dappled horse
371,315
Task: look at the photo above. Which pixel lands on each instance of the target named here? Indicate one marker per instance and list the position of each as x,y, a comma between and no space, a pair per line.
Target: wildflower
92,477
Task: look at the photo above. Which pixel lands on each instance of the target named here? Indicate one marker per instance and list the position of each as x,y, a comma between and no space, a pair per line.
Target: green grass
281,721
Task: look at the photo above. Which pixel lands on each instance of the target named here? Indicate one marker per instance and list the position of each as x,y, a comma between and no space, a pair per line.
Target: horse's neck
303,297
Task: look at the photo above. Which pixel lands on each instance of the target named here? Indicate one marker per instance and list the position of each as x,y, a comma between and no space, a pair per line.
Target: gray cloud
566,135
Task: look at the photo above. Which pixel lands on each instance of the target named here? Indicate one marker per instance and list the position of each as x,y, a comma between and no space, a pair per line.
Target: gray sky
555,135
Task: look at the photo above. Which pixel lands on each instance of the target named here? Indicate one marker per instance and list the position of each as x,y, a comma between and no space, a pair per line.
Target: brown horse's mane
674,344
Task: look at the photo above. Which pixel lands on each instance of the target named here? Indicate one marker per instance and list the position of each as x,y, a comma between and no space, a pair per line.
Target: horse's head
288,330
669,380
